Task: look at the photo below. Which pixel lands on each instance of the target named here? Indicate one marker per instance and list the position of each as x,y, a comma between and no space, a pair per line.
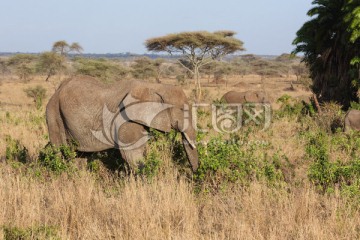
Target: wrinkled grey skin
76,109
245,97
352,120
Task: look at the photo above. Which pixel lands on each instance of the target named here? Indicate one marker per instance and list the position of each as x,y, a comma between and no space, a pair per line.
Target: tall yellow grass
167,208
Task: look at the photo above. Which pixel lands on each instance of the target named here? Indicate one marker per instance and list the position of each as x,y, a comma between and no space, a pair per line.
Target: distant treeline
128,55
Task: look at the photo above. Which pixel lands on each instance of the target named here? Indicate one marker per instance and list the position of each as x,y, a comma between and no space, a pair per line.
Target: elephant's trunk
189,141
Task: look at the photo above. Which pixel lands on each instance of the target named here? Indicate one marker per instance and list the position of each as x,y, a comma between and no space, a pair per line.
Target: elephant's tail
55,122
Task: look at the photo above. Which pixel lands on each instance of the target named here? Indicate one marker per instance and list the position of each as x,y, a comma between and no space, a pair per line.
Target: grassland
302,182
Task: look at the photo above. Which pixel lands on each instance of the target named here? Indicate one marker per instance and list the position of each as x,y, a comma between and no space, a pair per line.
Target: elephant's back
234,97
82,83
245,97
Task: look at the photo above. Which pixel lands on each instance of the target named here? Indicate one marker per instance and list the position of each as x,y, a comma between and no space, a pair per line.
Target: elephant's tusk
189,141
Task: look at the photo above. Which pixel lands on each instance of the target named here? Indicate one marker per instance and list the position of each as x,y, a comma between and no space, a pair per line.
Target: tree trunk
317,103
48,76
197,84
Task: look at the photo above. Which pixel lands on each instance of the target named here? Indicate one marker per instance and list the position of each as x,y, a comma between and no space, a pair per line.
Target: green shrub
327,173
15,151
23,64
24,72
162,146
355,105
94,165
235,160
40,232
151,165
289,107
57,159
100,68
145,68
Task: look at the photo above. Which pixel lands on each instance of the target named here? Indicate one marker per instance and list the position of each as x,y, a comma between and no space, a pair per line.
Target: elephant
100,116
253,105
245,97
352,120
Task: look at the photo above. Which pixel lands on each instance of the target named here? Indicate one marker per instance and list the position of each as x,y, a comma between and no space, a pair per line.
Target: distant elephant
352,120
99,116
245,97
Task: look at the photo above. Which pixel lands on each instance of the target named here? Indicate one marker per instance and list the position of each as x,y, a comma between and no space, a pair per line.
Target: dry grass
84,206
167,208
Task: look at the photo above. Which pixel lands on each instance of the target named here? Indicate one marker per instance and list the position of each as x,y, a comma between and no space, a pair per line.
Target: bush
24,72
327,173
15,151
291,108
37,93
235,160
40,232
145,68
355,105
181,79
331,118
160,148
100,68
57,159
151,165
23,65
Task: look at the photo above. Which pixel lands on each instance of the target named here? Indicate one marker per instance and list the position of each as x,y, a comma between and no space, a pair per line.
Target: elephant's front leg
132,138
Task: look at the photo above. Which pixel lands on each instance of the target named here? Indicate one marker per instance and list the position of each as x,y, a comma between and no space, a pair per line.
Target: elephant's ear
147,107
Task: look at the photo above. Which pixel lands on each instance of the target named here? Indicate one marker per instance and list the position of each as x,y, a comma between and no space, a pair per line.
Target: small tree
37,93
76,48
198,48
60,47
50,63
24,72
158,66
23,65
145,68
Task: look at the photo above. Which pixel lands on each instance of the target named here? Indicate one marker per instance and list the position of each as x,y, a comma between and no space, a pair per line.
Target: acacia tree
330,42
197,48
63,48
50,63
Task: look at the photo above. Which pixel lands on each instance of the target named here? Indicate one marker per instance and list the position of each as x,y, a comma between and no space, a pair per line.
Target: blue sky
113,26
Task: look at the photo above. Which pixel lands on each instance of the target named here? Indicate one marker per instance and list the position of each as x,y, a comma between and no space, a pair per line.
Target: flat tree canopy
198,48
203,43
